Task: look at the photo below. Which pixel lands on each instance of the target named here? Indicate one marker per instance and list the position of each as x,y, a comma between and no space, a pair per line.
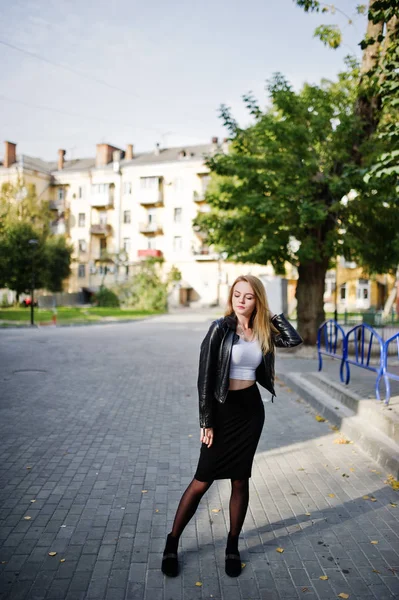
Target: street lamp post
32,243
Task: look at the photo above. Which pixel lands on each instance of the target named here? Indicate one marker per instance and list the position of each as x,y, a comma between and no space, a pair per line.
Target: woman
237,352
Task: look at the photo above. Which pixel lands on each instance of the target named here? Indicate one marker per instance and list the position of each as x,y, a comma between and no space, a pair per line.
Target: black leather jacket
214,362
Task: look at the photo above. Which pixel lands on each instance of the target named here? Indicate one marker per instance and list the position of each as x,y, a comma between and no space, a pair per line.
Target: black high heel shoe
170,563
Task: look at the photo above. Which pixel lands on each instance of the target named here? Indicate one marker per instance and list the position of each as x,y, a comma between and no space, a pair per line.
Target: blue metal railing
356,348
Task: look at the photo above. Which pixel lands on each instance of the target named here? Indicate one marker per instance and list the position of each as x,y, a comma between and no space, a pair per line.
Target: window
179,183
177,243
103,244
80,192
342,292
82,245
82,271
152,215
82,220
60,194
151,243
127,188
149,183
100,188
362,289
126,244
177,215
126,216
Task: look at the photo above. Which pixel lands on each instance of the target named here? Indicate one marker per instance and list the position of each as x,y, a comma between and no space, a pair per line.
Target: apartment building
120,207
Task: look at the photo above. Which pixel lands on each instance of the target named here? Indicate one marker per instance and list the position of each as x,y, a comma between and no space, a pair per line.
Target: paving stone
107,476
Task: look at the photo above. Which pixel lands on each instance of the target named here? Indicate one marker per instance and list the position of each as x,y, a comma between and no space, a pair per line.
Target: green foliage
330,35
106,298
146,290
25,218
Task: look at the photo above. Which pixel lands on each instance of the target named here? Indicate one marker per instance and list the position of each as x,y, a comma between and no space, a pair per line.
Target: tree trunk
370,54
309,293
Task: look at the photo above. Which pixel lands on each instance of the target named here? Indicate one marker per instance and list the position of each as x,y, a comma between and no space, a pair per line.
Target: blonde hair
260,319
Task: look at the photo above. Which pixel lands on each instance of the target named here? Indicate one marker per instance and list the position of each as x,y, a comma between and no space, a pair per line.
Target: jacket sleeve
207,373
287,336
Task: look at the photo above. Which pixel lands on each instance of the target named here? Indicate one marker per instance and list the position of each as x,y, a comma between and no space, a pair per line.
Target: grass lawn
70,315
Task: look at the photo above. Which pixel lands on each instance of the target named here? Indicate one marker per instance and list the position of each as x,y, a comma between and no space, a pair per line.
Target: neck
244,322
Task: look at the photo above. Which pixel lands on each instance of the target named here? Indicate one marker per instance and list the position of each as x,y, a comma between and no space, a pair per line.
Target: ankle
172,543
232,544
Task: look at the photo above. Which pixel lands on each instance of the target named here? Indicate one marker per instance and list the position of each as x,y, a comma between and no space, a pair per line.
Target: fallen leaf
373,499
27,518
375,571
301,469
243,565
52,553
334,428
331,495
157,510
393,504
342,440
392,569
336,468
394,483
343,595
307,514
323,577
281,550
352,470
28,467
215,510
198,584
33,500
374,542
319,418
366,497
144,491
190,435
375,471
305,589
3,562
62,559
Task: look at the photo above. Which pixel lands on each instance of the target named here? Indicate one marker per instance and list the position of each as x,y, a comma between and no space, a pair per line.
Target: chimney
61,155
215,141
10,154
104,154
129,152
157,149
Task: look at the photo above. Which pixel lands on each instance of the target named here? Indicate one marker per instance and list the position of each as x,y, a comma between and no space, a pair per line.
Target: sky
142,72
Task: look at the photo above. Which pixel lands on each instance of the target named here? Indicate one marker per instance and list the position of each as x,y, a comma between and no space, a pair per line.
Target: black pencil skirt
237,428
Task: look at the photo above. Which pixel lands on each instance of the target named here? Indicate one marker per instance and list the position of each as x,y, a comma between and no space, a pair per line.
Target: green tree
276,196
377,100
24,217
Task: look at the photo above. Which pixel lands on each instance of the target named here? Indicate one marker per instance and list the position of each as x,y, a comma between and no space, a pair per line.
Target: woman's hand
207,436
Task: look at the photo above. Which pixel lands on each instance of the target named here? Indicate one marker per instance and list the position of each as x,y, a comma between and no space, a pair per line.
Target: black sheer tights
189,504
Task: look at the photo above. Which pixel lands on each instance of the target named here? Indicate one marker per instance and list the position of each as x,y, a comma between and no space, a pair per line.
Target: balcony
205,253
199,196
103,256
58,205
151,197
150,253
150,228
100,229
102,199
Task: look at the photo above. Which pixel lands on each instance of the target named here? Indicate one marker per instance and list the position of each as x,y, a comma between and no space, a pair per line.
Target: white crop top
245,359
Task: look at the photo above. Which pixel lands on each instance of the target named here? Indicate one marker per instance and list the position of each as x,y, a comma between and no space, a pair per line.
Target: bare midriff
240,384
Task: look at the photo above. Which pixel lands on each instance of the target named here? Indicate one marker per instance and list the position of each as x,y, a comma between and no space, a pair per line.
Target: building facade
119,208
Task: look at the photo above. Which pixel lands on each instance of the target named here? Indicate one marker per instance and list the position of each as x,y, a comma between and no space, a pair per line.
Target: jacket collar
231,321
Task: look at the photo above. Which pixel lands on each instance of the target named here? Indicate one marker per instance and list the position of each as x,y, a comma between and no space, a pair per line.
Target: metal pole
32,299
336,295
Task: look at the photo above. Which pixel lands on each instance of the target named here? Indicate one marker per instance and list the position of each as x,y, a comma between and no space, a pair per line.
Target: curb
354,426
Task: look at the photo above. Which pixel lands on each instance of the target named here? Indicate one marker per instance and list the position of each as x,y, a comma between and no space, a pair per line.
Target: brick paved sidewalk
99,426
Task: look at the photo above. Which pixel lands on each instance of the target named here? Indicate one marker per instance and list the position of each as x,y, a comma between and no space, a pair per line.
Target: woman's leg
185,511
188,505
238,509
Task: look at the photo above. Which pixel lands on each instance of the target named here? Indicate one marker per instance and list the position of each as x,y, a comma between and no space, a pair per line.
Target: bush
107,298
146,290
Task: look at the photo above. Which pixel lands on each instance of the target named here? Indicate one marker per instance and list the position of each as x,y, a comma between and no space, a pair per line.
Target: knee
240,484
200,487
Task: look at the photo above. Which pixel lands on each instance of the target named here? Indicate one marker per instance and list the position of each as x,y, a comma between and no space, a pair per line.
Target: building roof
197,152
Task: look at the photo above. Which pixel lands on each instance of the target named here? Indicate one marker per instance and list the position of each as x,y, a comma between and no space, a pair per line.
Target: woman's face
243,299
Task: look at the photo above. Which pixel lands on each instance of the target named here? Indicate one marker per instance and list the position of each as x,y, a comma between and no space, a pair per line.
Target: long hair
259,321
